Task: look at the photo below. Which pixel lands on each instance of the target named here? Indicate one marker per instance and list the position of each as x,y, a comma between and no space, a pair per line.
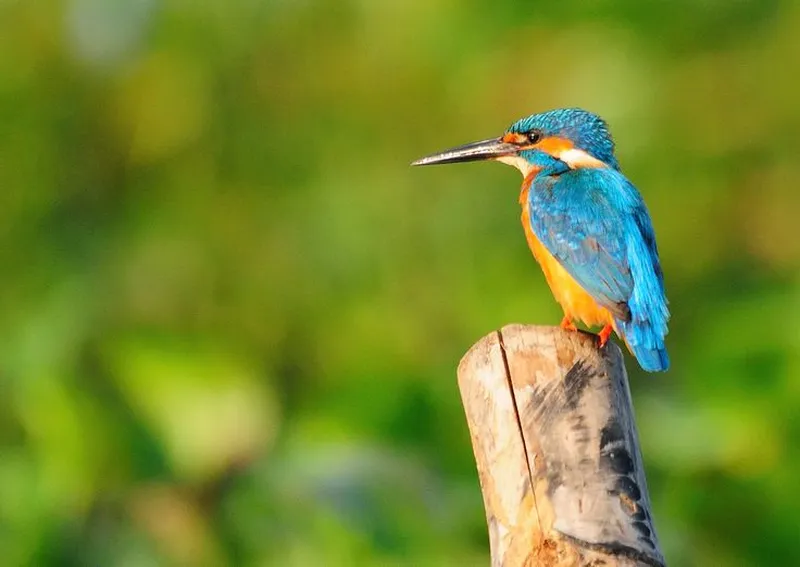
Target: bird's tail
646,325
645,343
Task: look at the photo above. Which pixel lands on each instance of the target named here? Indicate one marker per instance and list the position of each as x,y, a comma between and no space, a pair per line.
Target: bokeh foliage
231,312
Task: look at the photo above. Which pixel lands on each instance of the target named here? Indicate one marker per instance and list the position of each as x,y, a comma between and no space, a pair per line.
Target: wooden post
555,441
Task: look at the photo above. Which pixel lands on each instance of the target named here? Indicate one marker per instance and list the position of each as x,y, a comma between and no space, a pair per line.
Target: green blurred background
231,312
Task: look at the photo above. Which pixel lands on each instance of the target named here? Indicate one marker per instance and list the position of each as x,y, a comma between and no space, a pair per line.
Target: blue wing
594,222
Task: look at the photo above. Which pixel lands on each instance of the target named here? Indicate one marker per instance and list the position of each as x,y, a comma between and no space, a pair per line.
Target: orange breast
576,302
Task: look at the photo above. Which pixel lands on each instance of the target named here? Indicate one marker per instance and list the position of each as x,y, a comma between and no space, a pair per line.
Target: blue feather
647,327
595,223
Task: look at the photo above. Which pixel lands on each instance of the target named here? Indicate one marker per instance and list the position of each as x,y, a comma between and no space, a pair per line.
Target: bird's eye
533,136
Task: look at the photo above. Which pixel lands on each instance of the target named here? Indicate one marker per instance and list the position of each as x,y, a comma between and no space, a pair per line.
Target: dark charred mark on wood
627,486
617,549
545,405
640,514
642,528
611,434
618,460
582,437
575,382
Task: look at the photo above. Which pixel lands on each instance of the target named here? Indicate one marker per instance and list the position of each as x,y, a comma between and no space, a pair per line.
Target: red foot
566,323
604,334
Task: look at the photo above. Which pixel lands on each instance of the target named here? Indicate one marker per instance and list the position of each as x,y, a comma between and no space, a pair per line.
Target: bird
586,224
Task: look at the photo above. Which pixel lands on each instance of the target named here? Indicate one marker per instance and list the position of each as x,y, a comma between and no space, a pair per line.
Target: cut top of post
556,445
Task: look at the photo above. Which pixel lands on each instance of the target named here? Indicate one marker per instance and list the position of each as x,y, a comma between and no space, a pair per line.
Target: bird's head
567,138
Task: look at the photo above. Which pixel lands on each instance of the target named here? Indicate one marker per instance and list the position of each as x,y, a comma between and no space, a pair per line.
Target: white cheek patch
518,162
576,158
573,157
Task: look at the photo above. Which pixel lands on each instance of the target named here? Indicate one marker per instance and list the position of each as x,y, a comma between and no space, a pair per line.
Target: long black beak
476,151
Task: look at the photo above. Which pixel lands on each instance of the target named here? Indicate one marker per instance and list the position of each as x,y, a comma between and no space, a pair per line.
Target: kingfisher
586,225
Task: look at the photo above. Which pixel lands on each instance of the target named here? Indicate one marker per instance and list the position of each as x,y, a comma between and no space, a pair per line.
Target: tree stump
557,451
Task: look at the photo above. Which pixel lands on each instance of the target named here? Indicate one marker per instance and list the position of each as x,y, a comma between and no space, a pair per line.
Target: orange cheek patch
554,145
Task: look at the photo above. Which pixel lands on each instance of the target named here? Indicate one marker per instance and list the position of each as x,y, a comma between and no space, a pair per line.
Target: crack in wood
519,424
566,416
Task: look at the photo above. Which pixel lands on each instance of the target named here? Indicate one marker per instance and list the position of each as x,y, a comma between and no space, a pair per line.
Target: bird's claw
604,335
567,324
